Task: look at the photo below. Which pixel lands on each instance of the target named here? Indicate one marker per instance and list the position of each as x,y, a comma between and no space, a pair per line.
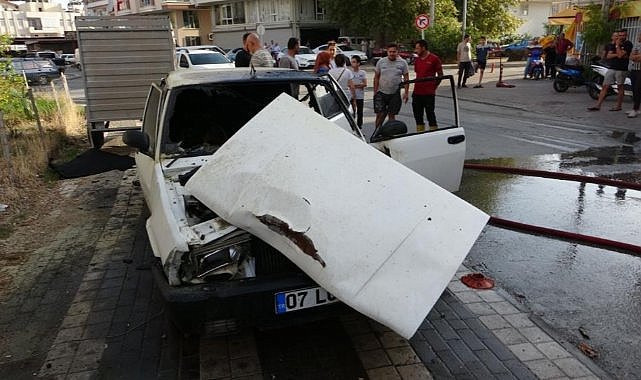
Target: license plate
302,299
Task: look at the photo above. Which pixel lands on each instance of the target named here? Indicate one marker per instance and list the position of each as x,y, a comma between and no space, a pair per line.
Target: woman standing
321,66
343,76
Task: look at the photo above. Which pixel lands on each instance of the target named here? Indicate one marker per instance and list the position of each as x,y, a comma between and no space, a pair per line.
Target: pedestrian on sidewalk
549,51
243,56
635,76
390,71
360,83
563,45
261,57
464,59
427,64
481,58
617,56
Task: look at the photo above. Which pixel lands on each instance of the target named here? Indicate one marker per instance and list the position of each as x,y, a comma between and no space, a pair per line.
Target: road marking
530,141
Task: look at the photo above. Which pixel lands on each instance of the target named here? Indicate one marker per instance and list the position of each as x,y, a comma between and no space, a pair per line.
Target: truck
268,205
120,57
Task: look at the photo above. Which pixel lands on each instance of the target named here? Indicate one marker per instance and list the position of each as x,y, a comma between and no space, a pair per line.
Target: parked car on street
215,48
404,51
70,59
517,50
201,59
341,49
305,57
37,71
211,138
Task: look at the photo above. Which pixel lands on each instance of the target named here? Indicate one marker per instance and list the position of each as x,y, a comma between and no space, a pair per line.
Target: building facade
40,25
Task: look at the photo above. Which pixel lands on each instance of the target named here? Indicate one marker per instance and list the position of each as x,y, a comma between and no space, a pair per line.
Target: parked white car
341,49
305,57
201,59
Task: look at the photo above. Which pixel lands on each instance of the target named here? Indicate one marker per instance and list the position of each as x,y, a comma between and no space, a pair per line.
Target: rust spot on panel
300,239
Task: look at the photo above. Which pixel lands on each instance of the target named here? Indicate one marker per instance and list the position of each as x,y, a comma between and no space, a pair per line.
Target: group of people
621,56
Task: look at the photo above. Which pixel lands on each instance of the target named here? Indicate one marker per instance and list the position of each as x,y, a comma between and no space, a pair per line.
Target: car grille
269,260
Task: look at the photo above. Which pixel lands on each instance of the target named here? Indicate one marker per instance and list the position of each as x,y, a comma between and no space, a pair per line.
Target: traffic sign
422,21
260,29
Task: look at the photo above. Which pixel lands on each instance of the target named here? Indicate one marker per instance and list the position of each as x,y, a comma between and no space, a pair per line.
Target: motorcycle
595,86
536,70
569,76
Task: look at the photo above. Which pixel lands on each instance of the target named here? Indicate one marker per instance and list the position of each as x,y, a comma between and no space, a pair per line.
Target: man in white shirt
464,59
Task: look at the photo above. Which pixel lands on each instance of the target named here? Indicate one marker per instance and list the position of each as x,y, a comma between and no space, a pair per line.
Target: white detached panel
378,236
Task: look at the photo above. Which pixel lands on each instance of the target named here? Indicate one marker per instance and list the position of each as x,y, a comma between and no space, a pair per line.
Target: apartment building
40,24
223,22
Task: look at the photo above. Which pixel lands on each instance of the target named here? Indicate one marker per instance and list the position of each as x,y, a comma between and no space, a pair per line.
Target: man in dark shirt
243,57
616,56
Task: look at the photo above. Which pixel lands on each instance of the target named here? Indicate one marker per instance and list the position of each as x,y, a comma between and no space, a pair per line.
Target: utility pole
432,12
464,16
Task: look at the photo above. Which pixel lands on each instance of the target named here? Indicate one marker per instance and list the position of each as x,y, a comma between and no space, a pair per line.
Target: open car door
437,155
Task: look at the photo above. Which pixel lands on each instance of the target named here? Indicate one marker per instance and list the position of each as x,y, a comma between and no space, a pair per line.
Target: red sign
422,21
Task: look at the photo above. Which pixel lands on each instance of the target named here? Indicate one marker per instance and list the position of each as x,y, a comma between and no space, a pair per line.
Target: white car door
437,155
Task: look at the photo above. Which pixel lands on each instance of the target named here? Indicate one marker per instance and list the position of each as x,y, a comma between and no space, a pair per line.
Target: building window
146,3
525,8
192,41
232,13
123,5
190,19
320,12
34,23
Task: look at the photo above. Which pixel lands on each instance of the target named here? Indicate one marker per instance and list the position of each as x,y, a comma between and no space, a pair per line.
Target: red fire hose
565,235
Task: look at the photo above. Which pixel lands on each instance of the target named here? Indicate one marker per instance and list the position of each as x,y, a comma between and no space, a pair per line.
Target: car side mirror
136,139
390,129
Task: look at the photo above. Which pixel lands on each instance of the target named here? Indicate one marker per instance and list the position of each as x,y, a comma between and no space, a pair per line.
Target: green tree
490,18
597,28
13,102
384,20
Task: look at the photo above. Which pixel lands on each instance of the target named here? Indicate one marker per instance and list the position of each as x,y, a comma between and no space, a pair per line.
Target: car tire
43,80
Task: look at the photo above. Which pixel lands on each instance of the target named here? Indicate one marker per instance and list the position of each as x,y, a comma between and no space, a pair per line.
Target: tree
384,20
490,18
597,27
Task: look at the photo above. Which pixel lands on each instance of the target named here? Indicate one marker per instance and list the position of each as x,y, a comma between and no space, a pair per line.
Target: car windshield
305,50
204,59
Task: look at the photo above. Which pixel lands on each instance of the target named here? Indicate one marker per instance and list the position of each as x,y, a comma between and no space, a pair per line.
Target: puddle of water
568,284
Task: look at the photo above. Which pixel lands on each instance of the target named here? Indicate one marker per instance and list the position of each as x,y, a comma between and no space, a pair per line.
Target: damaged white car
265,205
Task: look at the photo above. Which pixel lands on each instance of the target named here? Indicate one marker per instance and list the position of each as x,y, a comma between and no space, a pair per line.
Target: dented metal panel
380,237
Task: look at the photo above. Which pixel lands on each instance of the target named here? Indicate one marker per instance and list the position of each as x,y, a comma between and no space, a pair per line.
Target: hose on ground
565,235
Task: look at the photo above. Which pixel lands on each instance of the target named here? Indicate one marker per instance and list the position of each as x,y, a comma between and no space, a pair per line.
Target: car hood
309,57
380,237
214,66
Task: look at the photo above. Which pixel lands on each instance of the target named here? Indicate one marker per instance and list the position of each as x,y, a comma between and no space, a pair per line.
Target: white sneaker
634,113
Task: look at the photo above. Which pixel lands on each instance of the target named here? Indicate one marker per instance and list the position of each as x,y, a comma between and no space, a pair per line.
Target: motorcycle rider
616,58
536,51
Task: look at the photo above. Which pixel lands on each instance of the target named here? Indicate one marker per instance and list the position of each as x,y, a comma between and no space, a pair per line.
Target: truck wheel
560,85
43,80
96,138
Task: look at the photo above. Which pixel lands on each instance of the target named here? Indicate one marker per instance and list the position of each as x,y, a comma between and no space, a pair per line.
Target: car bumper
247,302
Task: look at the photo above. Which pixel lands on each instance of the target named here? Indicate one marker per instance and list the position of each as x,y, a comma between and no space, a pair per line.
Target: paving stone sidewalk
468,334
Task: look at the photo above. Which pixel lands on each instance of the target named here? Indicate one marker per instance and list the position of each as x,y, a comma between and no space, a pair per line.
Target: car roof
181,78
201,52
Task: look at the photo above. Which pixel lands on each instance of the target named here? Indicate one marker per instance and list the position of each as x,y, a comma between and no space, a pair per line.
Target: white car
350,52
340,49
305,57
251,192
201,59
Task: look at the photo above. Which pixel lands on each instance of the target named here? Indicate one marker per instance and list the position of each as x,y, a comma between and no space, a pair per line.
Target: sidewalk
468,334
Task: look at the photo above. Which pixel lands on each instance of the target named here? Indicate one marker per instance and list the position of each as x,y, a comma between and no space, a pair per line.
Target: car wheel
43,80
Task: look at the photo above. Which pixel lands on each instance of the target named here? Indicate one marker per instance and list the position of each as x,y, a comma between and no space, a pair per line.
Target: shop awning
629,9
564,17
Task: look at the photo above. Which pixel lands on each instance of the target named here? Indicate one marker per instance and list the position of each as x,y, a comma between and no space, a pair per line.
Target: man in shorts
616,56
481,58
388,75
